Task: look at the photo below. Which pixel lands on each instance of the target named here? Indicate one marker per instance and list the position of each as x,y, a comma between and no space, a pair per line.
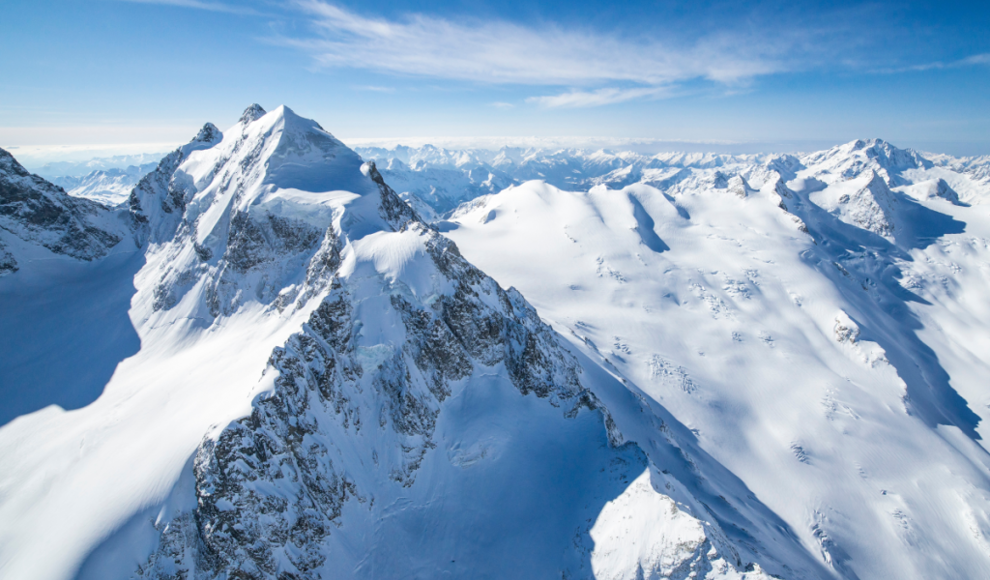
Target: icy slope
325,388
819,324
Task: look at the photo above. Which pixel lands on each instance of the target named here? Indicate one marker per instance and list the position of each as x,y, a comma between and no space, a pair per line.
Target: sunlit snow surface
833,354
791,353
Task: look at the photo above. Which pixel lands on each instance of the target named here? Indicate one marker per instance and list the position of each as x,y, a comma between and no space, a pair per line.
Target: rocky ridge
38,212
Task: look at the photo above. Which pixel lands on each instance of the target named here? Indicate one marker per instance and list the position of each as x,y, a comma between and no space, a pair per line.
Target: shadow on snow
63,329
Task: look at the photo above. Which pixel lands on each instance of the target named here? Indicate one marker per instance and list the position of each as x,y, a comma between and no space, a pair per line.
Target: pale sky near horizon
122,75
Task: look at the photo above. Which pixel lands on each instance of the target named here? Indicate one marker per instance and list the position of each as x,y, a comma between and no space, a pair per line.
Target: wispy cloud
502,105
974,60
586,67
607,96
375,89
499,52
197,4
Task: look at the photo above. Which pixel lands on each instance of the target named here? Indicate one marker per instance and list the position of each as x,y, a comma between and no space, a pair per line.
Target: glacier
280,357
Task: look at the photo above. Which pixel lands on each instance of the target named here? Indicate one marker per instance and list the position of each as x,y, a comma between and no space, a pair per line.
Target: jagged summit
852,159
208,134
252,113
889,156
156,203
243,212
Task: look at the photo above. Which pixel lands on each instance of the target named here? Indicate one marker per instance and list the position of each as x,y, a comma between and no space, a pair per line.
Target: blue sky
769,75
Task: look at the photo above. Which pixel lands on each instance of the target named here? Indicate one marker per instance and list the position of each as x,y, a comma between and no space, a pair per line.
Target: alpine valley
278,358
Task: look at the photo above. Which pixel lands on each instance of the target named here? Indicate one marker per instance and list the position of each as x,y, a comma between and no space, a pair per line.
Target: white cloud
587,66
607,96
375,89
503,52
974,60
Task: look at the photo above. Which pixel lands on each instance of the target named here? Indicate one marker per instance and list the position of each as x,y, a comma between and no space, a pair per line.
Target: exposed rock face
38,212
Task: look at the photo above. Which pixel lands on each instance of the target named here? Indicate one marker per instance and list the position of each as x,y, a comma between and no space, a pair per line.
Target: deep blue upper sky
123,71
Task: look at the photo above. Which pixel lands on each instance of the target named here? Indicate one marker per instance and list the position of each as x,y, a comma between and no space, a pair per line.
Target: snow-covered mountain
266,364
435,180
819,323
107,186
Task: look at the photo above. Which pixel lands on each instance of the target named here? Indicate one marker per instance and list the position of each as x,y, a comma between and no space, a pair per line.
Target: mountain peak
209,134
252,113
886,154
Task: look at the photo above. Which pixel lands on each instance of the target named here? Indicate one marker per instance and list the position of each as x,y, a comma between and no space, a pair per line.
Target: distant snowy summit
441,179
277,358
